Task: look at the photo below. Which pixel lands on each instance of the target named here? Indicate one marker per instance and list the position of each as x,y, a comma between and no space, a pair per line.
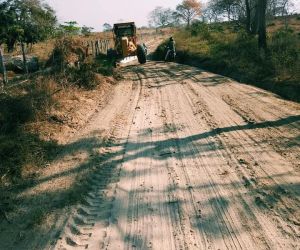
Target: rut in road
196,161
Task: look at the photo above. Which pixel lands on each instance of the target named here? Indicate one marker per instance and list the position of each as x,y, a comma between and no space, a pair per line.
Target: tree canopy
86,31
188,10
161,17
27,21
107,27
70,28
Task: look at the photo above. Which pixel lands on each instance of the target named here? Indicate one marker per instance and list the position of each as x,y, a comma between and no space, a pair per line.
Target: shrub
200,29
83,76
159,53
67,52
19,147
284,47
14,111
236,54
71,66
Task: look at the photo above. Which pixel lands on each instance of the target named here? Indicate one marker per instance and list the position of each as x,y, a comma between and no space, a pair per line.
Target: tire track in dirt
218,209
208,115
186,169
163,203
86,225
249,181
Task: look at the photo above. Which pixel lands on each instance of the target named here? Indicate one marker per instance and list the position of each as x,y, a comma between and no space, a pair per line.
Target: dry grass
278,23
38,116
30,150
226,50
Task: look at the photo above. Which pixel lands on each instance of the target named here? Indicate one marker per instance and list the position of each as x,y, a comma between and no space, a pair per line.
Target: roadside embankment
229,51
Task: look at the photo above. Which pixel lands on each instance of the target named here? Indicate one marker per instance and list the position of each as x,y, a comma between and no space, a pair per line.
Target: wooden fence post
93,51
97,47
24,58
4,82
101,46
106,44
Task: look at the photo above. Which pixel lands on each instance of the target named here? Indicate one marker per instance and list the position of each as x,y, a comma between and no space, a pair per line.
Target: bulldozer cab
124,29
125,39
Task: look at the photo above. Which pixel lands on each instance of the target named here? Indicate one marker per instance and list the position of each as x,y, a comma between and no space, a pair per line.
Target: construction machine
125,43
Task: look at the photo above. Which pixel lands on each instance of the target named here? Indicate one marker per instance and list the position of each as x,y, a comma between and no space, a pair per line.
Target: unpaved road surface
193,161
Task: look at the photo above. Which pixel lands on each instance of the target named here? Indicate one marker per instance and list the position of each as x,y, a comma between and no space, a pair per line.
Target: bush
14,111
19,147
284,47
67,52
103,65
160,52
83,76
200,29
71,66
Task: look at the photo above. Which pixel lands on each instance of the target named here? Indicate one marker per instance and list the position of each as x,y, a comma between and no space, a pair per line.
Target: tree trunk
24,58
254,25
248,17
3,68
262,34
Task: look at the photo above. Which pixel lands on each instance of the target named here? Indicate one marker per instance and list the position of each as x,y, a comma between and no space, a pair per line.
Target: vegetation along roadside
227,49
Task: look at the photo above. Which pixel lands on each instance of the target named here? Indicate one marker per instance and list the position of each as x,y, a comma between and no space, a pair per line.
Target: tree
262,34
3,69
86,31
248,16
278,7
230,9
188,10
161,17
107,27
7,24
27,21
70,28
209,14
176,20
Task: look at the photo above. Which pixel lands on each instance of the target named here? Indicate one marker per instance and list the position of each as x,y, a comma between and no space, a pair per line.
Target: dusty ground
175,158
194,161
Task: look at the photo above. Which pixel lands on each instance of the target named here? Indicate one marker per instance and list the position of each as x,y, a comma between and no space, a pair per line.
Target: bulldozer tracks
193,161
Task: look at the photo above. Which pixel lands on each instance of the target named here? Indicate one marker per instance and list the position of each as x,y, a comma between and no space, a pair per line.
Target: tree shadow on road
102,169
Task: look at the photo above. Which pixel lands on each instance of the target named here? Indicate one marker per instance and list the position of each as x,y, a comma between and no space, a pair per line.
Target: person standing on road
171,50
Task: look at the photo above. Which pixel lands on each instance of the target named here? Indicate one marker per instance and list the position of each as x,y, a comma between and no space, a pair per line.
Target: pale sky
94,13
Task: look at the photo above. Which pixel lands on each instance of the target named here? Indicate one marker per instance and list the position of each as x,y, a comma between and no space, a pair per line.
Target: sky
94,13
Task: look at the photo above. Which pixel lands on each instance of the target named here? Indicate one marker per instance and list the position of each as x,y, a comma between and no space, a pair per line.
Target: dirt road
193,161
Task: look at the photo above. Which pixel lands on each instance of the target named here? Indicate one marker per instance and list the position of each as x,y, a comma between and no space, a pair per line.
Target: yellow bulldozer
125,43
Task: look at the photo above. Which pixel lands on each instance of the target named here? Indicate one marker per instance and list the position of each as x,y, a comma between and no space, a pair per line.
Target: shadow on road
178,148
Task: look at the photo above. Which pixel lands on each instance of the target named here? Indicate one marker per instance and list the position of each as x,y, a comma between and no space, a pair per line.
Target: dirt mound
67,52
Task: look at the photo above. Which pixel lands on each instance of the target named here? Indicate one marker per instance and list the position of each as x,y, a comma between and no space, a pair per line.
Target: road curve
195,161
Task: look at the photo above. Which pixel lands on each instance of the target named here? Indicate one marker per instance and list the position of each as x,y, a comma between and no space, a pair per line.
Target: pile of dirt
67,52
